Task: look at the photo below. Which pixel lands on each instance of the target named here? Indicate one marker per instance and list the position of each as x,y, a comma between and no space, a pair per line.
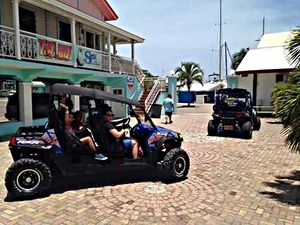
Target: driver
113,134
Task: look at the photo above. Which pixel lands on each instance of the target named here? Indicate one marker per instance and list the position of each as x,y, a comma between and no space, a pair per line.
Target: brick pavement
231,181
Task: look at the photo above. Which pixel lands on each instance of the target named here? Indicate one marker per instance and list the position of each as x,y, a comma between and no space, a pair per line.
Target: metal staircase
148,97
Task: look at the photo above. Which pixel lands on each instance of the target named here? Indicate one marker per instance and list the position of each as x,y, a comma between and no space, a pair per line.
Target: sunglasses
110,114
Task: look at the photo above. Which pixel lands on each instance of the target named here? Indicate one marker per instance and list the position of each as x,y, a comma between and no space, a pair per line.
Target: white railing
159,85
7,41
141,78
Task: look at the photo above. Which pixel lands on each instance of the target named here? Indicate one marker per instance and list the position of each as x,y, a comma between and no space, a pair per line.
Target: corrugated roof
269,57
265,59
274,39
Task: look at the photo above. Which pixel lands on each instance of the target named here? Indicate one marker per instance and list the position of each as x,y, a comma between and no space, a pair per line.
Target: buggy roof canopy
92,93
232,90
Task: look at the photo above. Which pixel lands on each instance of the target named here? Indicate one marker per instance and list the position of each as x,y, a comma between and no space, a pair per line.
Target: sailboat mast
220,42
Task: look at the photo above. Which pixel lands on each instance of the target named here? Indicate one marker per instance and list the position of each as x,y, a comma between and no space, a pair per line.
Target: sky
178,31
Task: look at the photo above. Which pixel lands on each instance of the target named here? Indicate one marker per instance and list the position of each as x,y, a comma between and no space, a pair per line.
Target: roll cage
67,140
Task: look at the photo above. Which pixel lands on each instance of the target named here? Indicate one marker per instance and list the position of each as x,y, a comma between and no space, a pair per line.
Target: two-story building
63,41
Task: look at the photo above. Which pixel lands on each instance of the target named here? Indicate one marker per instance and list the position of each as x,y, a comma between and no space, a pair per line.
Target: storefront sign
55,51
88,58
130,82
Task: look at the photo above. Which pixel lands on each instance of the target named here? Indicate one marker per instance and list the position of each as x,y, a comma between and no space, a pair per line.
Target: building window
89,39
64,31
279,78
118,91
27,20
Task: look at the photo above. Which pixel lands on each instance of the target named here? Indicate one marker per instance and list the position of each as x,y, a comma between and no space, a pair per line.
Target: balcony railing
45,49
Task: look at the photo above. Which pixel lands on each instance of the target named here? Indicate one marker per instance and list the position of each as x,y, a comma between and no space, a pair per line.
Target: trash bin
155,111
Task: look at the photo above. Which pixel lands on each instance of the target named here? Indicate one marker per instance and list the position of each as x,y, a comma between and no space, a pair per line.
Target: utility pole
220,42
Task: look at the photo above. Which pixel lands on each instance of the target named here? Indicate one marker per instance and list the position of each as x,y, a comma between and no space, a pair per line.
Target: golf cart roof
232,90
92,93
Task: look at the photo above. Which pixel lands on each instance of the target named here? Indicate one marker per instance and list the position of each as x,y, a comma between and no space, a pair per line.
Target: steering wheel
122,124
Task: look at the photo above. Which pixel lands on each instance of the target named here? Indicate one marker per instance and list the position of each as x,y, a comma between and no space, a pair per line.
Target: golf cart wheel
247,130
211,129
176,164
257,123
27,178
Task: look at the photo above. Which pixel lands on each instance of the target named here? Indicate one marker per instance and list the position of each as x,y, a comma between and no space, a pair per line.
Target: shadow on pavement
274,122
61,184
287,188
186,106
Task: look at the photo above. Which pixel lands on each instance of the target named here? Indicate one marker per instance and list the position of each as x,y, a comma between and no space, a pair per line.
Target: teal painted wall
9,128
232,82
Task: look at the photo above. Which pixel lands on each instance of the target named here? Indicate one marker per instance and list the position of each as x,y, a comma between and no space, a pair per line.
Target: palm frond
293,48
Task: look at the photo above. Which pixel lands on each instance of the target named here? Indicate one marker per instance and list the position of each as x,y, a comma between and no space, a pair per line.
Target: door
118,108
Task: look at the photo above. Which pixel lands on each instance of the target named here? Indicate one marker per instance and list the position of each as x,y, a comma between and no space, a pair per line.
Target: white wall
265,84
246,82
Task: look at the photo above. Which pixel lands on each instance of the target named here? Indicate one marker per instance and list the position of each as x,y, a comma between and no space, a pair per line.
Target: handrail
137,88
141,77
153,93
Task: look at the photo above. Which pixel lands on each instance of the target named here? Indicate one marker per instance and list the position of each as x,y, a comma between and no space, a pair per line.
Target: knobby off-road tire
27,178
256,123
176,164
247,130
211,129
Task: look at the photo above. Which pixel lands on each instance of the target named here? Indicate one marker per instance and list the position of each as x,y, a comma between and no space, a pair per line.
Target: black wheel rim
179,166
28,180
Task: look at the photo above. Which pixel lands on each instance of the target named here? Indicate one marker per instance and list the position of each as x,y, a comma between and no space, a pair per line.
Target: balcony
43,49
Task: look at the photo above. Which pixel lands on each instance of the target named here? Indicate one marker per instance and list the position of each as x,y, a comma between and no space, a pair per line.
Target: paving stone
231,181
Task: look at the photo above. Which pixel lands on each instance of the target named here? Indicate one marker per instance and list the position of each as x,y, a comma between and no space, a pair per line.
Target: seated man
113,134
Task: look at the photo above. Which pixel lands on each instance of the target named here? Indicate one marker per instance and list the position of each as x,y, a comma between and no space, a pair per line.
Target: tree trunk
189,93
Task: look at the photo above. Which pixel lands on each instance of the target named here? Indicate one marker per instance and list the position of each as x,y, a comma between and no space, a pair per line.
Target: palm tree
293,48
187,73
286,100
238,57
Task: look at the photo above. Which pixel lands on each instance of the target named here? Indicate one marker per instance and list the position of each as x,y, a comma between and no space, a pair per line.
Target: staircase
142,101
148,98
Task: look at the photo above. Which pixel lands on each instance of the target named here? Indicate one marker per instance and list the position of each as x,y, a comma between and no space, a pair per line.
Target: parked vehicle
233,112
40,106
6,93
36,161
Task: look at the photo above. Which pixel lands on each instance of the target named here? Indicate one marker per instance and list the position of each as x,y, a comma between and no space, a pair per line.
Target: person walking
169,108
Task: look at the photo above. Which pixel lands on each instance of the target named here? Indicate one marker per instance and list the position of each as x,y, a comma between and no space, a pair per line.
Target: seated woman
113,134
86,140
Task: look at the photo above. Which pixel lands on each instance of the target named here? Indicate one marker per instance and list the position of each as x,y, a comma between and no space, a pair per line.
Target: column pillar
254,88
132,56
109,52
73,37
76,100
17,28
25,103
172,89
